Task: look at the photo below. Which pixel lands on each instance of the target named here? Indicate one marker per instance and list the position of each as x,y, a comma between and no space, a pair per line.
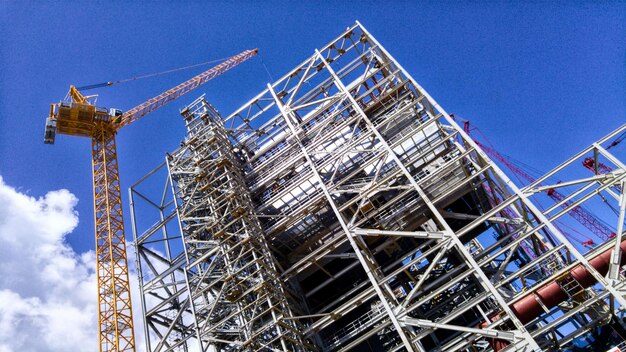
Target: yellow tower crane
79,117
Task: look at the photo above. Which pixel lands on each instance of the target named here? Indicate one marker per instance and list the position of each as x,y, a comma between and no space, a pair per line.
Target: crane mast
80,117
115,314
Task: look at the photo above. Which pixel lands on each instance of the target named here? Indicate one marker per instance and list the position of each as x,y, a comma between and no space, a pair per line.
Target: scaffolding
343,209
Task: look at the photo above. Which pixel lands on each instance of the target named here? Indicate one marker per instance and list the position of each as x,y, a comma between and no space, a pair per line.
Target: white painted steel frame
297,159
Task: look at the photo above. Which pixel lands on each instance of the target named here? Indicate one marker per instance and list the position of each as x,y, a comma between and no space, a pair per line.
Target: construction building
343,209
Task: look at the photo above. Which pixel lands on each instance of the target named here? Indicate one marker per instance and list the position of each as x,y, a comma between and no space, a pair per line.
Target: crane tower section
343,209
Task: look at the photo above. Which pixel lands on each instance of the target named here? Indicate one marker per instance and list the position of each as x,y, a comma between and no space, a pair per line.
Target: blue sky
542,80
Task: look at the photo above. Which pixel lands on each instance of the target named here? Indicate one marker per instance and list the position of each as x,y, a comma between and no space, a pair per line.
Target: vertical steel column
133,221
177,206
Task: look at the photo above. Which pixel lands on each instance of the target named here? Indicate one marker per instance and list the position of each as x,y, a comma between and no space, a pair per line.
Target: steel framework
343,209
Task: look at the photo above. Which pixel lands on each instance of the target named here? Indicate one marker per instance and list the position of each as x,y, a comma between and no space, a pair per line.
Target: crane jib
183,88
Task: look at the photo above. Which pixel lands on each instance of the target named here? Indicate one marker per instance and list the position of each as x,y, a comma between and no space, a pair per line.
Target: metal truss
115,314
160,263
379,225
231,287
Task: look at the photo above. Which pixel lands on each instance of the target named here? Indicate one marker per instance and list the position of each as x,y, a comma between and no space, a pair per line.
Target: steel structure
343,209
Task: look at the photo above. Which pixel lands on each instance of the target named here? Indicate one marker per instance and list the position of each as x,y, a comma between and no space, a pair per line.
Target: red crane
591,166
584,217
598,167
580,214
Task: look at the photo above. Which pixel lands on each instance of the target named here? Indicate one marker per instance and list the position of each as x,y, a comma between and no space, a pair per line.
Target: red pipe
528,308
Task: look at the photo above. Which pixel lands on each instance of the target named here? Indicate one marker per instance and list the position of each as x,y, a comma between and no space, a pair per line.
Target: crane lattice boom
183,88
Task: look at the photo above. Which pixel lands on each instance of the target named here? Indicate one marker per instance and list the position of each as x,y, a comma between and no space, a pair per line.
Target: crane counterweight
77,119
50,132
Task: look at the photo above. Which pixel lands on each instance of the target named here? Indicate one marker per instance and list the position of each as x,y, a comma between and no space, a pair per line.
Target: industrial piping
551,293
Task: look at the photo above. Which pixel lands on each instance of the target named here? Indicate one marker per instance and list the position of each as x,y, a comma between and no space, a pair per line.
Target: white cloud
47,290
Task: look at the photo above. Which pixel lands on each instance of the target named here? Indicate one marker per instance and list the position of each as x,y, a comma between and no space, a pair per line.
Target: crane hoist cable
266,69
110,83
